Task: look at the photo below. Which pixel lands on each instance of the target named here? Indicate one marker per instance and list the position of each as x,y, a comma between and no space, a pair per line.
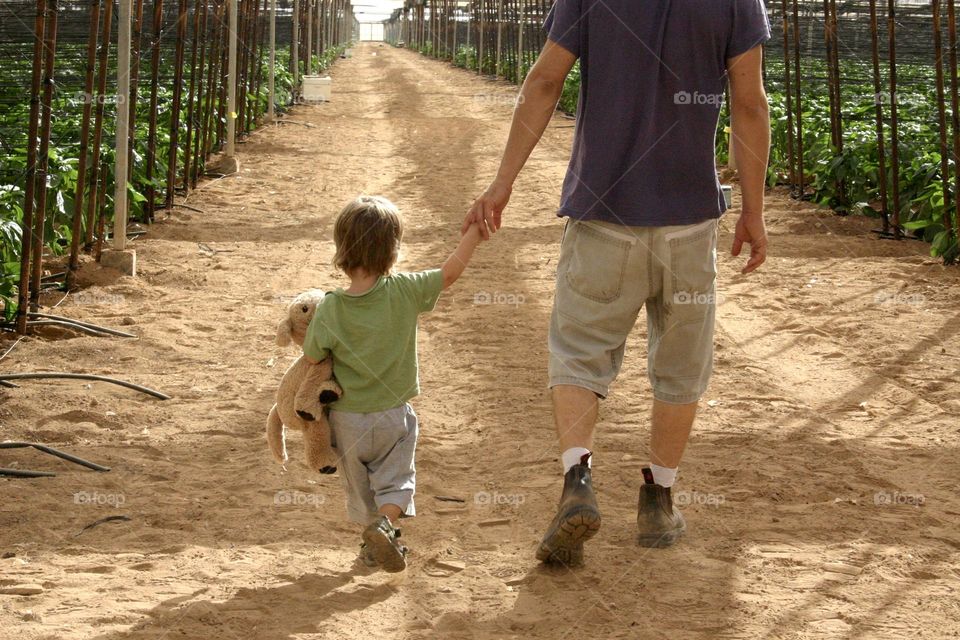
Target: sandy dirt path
833,412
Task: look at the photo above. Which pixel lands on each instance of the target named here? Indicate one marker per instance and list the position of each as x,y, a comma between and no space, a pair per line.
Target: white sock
572,456
663,476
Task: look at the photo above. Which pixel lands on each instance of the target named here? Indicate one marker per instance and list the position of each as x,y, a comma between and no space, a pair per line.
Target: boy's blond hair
367,234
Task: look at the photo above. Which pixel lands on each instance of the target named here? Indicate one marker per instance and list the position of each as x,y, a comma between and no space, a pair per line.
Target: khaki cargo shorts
606,273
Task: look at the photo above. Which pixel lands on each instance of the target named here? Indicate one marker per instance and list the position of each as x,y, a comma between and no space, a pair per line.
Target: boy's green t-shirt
373,339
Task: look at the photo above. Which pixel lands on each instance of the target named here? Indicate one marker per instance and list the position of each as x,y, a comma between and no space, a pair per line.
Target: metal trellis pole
123,139
273,59
232,84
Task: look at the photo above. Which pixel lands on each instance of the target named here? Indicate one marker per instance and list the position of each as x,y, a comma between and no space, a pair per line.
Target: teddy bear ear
284,336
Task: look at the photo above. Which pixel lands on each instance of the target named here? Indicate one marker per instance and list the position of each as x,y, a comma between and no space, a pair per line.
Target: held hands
752,230
487,210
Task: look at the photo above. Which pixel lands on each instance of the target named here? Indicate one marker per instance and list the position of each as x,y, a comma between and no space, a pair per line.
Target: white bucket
317,89
727,194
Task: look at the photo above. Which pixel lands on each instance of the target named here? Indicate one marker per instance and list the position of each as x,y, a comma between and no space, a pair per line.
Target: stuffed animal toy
303,392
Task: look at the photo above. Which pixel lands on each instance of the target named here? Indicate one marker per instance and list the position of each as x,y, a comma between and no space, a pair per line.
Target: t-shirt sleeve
563,25
751,27
316,344
424,287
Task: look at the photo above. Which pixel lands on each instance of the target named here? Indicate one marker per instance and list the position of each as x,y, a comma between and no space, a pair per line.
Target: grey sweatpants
376,459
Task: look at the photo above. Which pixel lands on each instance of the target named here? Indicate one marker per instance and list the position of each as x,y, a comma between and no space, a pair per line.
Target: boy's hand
487,210
475,229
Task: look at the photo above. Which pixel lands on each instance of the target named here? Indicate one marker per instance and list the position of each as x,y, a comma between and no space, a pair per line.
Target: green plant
571,90
67,110
465,57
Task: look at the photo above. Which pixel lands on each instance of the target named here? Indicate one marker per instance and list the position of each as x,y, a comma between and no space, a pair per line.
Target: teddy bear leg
275,436
316,389
320,455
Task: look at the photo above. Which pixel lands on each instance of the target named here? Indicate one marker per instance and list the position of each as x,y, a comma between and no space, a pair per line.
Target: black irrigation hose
24,473
71,323
81,323
59,323
84,376
55,452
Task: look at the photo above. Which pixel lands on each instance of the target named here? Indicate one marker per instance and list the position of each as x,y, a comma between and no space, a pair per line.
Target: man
643,201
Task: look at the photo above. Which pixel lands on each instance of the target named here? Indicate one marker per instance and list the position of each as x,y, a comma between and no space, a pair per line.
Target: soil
819,486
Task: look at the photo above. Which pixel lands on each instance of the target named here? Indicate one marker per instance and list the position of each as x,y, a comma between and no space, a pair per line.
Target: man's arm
750,137
535,106
458,260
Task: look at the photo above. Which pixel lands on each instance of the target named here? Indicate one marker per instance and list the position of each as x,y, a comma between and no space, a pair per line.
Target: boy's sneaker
659,523
577,520
366,557
380,541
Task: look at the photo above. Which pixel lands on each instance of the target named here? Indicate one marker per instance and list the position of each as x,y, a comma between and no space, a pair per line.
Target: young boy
370,329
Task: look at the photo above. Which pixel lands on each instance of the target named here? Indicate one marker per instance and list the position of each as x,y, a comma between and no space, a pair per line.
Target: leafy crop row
64,153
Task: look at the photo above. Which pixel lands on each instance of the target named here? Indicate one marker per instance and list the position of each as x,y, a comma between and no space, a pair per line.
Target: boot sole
565,545
383,550
660,540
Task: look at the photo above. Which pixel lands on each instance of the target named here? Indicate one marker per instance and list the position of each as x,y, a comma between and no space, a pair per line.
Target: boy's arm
313,351
457,262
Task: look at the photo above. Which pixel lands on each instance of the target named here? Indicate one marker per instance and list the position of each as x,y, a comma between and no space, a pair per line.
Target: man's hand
487,210
751,229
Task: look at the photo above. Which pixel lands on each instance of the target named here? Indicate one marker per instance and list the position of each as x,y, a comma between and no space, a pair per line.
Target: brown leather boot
659,523
577,519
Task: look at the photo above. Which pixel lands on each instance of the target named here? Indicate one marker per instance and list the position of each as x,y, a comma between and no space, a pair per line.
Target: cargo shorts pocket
693,265
595,260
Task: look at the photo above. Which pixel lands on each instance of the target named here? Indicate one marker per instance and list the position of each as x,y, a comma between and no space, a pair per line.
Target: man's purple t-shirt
653,74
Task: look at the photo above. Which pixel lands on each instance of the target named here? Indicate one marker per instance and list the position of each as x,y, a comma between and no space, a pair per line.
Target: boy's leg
354,441
392,511
392,476
392,470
